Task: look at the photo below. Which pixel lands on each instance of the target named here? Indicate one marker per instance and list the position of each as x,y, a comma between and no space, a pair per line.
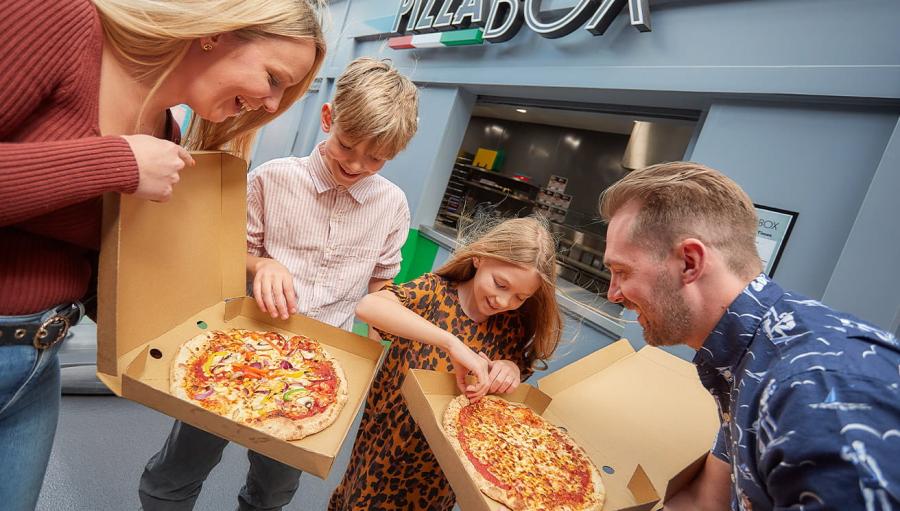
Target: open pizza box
170,271
642,417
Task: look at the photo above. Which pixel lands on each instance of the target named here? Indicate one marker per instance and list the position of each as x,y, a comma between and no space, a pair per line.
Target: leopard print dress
391,466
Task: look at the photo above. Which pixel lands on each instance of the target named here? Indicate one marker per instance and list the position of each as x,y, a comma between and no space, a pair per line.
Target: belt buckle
42,331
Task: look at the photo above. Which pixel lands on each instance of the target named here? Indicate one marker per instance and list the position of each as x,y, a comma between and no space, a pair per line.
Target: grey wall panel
817,162
811,47
276,139
866,279
423,169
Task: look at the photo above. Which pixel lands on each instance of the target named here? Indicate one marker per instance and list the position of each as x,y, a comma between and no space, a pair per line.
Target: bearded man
808,396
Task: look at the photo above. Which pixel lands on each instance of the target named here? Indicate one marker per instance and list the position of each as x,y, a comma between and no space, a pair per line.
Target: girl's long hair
525,242
151,37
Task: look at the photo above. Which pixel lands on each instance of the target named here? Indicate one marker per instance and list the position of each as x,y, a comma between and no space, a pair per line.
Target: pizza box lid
643,418
170,271
162,262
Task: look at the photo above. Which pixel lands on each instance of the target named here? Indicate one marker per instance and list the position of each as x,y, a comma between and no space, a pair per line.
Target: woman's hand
466,361
504,375
159,162
273,288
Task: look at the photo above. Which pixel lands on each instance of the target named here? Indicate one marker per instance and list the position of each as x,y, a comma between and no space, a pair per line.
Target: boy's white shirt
331,238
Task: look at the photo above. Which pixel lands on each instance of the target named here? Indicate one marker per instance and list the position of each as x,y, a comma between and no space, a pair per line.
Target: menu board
773,229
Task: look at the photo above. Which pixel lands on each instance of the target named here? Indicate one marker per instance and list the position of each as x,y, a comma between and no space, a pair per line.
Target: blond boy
322,231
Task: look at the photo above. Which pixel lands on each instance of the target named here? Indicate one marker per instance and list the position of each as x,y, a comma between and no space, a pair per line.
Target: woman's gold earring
207,46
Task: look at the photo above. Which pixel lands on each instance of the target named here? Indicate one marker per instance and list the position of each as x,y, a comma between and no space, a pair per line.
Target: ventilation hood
656,142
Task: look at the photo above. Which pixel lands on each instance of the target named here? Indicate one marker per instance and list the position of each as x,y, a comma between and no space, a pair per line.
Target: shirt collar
729,340
324,181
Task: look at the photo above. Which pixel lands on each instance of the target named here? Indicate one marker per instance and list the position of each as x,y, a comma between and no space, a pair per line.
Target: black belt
42,334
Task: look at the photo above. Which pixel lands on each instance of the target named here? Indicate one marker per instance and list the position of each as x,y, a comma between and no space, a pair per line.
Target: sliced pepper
209,362
249,370
274,345
291,394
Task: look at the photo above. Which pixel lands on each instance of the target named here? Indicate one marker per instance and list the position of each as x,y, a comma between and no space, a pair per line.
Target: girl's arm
384,311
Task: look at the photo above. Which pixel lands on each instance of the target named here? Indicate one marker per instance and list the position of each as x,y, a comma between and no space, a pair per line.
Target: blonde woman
496,295
84,98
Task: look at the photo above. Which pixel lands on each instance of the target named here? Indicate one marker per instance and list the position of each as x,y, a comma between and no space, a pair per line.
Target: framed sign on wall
772,233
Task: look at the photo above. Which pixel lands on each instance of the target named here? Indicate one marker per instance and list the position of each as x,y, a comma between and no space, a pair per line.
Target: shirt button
727,374
726,417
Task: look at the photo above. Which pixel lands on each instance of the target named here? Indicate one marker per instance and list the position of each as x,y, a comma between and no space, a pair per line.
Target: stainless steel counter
573,300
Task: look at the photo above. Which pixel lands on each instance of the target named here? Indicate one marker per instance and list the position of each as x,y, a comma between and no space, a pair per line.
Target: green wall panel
418,257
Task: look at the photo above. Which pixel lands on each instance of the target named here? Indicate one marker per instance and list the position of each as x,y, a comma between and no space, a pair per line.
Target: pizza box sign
170,271
642,417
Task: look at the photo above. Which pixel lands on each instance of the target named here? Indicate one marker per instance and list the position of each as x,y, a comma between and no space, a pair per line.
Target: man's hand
273,288
710,490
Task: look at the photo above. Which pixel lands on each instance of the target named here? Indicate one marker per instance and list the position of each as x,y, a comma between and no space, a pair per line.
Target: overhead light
521,110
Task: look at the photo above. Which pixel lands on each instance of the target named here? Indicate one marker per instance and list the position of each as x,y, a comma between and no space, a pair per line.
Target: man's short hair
688,200
373,101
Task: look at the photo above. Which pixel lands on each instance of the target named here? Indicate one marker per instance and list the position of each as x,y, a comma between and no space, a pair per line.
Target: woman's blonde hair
525,242
373,101
151,37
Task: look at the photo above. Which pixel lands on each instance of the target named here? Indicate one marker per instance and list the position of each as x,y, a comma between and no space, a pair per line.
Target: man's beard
671,314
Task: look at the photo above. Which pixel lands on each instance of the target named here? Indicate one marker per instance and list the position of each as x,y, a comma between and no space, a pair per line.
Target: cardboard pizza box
170,271
643,418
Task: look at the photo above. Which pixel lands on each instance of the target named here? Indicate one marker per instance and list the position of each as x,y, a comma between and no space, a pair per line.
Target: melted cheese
526,455
259,393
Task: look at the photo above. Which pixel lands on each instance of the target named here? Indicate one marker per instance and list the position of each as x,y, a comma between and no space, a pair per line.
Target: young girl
495,296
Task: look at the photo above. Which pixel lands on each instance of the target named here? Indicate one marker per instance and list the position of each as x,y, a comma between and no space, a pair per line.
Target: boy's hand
504,375
273,288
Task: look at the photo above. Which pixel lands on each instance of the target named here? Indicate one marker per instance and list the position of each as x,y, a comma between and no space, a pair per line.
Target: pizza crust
181,365
599,489
279,427
290,430
510,500
451,419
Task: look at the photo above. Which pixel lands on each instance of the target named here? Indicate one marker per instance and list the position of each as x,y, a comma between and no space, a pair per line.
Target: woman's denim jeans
29,409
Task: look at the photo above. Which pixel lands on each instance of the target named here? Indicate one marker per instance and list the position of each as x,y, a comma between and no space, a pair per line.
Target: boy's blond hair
525,242
685,199
373,101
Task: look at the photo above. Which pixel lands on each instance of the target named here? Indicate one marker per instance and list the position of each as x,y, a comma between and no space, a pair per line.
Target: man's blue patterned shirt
809,403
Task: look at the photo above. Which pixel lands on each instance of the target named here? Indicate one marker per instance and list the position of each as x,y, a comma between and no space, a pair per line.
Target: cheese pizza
519,459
